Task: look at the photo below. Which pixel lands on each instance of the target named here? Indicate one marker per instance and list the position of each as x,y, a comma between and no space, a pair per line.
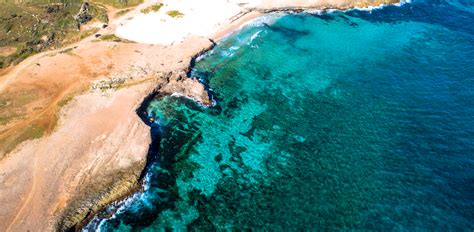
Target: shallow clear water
342,121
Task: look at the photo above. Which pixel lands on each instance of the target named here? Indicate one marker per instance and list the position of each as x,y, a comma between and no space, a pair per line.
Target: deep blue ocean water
358,120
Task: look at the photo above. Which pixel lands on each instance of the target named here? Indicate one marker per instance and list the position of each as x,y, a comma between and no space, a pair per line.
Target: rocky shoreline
175,82
120,184
84,164
98,152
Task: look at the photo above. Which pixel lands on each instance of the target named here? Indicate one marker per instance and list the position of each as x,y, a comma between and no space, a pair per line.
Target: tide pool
358,120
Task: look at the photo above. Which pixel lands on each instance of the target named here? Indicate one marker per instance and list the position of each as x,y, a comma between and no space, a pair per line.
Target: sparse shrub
152,8
175,14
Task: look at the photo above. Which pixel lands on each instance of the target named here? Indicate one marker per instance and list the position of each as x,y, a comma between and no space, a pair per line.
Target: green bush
120,3
175,14
152,8
36,26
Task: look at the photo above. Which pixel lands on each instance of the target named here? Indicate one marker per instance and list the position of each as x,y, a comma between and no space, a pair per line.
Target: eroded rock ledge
108,187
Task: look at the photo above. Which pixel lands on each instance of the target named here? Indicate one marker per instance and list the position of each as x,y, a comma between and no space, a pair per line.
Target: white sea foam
202,56
267,19
321,12
371,8
254,36
230,51
368,8
120,206
96,223
213,103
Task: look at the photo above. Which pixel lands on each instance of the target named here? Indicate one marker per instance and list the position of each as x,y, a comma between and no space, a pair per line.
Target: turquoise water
343,121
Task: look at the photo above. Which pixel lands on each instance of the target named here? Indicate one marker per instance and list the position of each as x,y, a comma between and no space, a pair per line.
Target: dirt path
54,87
31,192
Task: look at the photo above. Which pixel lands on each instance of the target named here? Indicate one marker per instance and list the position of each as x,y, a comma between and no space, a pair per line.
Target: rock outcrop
179,83
83,16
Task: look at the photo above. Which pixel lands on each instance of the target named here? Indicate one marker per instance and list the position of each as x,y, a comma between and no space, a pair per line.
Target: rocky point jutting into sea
354,120
96,152
319,124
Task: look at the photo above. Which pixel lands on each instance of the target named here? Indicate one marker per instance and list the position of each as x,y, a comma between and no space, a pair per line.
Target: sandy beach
93,145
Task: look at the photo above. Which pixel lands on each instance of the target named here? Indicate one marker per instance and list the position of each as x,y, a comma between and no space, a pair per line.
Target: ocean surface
358,120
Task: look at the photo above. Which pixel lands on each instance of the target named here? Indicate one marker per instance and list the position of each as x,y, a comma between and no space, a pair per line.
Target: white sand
205,17
201,18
